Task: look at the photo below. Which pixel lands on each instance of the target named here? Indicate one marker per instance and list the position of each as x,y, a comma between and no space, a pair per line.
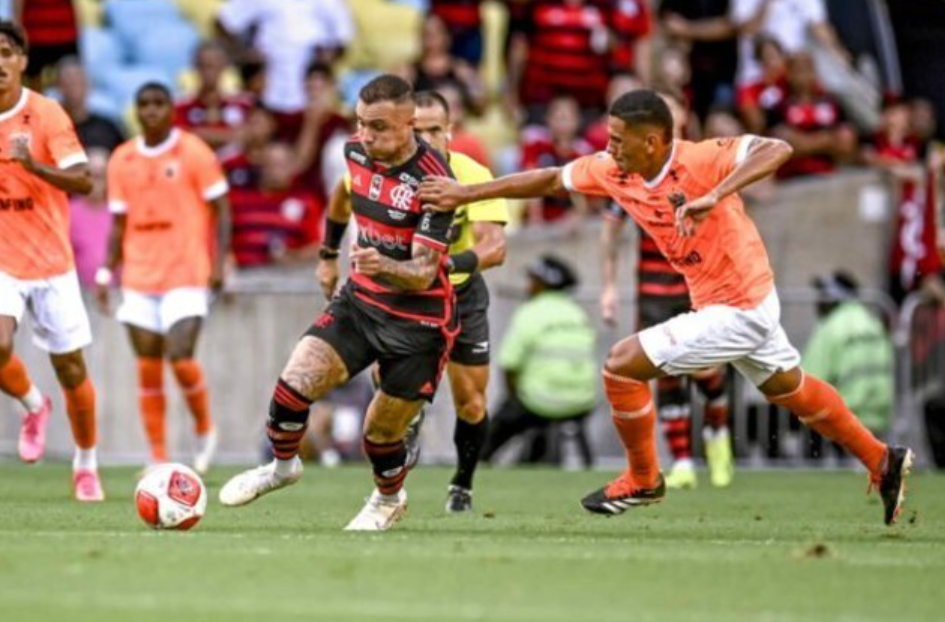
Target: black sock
387,461
469,439
288,420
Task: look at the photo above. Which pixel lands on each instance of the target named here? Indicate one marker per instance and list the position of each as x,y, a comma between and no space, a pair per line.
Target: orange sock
820,407
634,416
14,379
190,378
152,403
80,404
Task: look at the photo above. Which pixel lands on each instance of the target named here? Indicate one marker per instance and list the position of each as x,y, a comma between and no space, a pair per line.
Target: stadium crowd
271,87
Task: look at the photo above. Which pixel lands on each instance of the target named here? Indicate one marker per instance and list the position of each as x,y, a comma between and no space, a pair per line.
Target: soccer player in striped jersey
397,309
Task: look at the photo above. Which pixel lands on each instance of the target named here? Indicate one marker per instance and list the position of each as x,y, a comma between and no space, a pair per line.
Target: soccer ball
171,496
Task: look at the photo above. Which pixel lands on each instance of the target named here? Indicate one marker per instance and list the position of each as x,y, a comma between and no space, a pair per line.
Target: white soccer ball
171,496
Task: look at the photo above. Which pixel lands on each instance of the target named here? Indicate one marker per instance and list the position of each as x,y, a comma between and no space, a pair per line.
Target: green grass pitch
777,546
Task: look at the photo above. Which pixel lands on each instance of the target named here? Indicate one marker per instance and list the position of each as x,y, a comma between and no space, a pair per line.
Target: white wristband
103,277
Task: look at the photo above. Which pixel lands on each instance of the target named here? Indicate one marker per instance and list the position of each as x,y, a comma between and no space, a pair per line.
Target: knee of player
614,361
382,432
6,352
70,369
179,352
471,408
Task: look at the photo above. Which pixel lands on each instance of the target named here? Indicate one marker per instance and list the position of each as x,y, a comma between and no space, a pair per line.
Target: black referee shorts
472,345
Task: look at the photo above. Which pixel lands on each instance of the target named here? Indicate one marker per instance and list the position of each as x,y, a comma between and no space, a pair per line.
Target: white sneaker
380,513
206,449
254,483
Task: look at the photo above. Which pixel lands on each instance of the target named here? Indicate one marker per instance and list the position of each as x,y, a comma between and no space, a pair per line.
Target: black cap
553,272
837,287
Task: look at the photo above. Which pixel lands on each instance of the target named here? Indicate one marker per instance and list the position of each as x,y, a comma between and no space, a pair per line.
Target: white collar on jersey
156,150
17,107
652,183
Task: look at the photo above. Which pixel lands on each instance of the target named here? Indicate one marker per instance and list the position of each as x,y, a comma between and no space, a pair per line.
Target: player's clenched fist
367,261
442,194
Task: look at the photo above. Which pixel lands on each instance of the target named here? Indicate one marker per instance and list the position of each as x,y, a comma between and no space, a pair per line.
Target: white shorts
55,305
158,312
752,340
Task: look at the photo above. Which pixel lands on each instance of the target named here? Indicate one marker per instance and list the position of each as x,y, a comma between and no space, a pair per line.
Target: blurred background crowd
271,86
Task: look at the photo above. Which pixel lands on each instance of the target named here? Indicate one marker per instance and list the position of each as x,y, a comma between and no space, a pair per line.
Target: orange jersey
164,191
34,215
725,262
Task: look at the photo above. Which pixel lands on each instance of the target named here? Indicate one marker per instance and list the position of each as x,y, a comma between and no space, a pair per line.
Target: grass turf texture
776,546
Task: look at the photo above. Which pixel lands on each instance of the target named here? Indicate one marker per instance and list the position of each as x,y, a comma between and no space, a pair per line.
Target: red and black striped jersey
656,277
457,13
50,22
574,47
268,224
390,218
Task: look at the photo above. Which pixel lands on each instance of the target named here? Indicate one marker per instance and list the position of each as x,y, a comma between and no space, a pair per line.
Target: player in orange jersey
41,160
684,196
165,190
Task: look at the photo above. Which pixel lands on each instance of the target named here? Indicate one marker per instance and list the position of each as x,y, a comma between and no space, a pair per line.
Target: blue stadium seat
131,19
102,102
169,45
101,51
122,82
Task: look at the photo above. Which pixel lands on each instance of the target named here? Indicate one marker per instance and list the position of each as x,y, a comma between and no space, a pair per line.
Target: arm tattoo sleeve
415,274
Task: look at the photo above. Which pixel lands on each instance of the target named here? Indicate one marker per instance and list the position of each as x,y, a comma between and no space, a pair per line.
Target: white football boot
380,513
249,485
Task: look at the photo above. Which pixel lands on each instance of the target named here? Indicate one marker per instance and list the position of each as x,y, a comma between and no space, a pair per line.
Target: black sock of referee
469,439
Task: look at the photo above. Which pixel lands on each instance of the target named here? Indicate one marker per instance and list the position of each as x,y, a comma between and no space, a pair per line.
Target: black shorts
472,306
658,309
410,355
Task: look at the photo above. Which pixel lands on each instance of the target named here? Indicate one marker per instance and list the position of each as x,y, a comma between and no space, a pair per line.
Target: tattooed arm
415,274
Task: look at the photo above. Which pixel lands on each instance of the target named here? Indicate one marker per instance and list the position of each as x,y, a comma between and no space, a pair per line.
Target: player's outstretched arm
415,274
446,194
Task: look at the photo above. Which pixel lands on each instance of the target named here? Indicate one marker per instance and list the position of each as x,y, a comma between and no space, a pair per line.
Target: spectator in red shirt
556,145
53,34
242,159
321,122
914,261
812,122
758,101
211,114
570,47
276,224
